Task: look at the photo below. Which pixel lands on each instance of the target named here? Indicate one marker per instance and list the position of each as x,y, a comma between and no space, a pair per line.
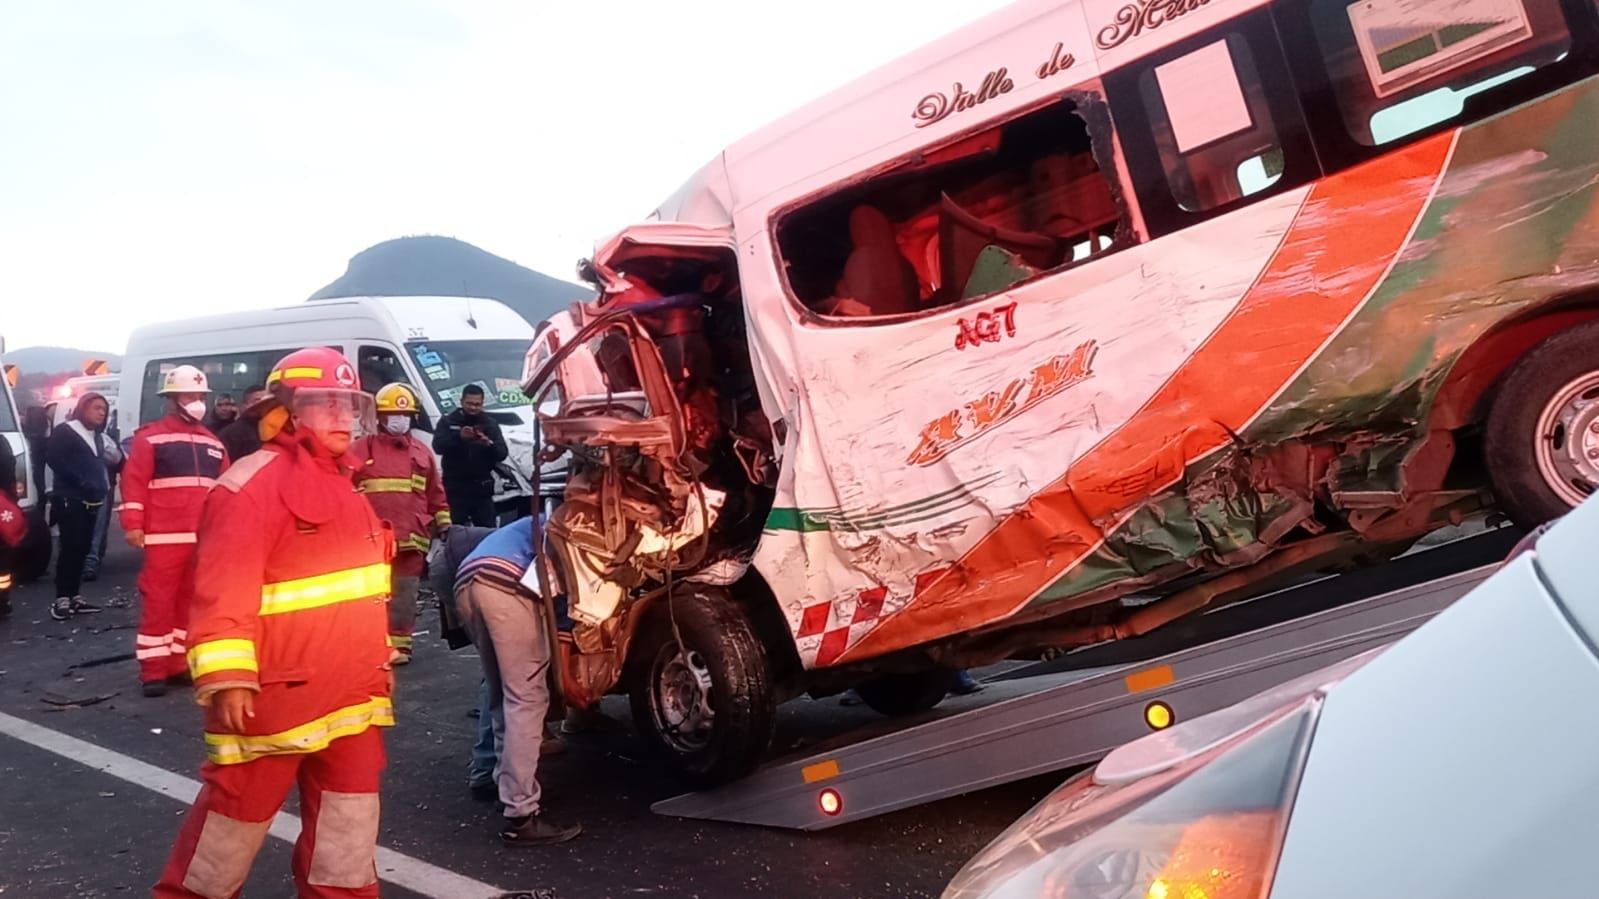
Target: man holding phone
470,443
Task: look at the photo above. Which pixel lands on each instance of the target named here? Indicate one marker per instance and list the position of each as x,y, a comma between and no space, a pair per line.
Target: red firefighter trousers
334,856
166,588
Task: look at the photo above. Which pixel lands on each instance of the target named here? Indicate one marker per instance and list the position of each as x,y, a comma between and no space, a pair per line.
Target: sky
170,158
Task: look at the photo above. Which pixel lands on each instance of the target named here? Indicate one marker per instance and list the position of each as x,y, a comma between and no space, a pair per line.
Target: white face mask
195,409
397,424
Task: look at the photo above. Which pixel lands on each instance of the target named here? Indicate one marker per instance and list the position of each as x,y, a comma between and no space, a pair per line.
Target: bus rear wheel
1542,436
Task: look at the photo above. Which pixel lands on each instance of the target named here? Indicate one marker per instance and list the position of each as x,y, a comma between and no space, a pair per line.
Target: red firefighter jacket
290,600
400,477
172,463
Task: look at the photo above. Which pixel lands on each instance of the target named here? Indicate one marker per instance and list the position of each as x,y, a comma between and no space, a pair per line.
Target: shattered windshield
448,366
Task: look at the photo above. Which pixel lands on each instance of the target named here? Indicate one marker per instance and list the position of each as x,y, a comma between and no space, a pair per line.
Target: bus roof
911,102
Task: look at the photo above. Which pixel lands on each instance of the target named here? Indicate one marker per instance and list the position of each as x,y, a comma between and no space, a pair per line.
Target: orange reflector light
1159,716
830,802
1222,856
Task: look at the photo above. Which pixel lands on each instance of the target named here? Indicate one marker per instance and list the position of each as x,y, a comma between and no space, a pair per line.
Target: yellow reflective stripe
415,541
313,736
419,482
300,372
442,516
325,589
5,582
400,641
233,654
386,485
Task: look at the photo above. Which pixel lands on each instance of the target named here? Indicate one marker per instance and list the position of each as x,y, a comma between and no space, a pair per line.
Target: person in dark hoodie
241,436
82,457
224,412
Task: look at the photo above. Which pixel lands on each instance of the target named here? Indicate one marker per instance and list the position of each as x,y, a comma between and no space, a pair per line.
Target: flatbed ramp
1048,720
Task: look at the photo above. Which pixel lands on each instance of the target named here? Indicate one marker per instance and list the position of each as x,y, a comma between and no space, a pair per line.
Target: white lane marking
401,870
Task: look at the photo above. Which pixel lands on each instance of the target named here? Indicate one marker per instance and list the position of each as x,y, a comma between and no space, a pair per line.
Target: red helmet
315,367
319,387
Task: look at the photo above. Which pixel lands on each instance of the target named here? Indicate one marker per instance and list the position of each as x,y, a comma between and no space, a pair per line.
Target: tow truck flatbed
1074,710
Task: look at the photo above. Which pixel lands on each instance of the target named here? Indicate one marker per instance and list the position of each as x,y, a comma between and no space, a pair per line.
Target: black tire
722,646
32,558
1523,448
897,695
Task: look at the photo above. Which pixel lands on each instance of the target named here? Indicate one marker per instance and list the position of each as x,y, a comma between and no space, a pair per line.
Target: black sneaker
61,609
81,606
90,575
181,679
153,688
534,830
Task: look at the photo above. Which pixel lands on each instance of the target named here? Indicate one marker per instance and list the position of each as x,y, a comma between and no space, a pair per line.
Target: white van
65,399
437,345
33,557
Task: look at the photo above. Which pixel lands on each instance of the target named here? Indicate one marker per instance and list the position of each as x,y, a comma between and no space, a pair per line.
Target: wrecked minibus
1089,316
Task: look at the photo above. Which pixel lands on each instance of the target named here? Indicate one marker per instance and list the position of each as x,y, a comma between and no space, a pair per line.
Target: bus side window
1401,67
1211,123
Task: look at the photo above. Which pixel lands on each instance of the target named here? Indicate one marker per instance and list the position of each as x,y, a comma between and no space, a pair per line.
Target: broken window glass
960,221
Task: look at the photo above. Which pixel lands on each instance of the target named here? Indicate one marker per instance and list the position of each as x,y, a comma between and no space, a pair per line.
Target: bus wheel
705,705
1542,440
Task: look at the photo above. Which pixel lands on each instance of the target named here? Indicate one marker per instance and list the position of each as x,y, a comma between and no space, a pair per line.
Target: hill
53,360
444,266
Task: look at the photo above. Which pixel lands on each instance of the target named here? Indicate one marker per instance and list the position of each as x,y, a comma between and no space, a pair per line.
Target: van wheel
1542,437
707,706
897,695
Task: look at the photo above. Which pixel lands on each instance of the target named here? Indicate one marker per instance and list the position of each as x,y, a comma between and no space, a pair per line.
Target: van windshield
448,366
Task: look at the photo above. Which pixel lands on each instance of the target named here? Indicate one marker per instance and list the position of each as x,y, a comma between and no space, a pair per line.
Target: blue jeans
490,739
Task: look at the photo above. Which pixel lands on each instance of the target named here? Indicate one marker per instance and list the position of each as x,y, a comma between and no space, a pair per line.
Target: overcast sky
173,157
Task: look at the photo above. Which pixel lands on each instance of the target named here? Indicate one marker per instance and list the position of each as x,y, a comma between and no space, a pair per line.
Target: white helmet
184,379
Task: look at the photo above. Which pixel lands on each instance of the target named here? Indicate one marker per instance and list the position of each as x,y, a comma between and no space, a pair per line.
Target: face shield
326,411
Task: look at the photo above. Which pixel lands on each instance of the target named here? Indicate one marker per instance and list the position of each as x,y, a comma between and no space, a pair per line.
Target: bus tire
708,708
1541,441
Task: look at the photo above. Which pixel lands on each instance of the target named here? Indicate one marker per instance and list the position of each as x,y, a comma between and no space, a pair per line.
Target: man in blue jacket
82,457
509,626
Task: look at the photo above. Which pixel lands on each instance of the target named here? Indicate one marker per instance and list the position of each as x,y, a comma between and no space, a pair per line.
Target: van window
230,373
1212,125
1400,67
447,366
379,366
963,220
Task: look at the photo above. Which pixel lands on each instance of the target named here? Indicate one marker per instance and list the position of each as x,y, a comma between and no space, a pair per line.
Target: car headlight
1197,811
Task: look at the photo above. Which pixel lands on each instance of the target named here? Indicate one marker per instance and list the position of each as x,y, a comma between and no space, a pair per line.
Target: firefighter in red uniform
289,647
172,463
398,474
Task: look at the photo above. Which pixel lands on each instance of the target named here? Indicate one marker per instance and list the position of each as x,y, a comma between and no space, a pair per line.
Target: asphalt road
70,829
